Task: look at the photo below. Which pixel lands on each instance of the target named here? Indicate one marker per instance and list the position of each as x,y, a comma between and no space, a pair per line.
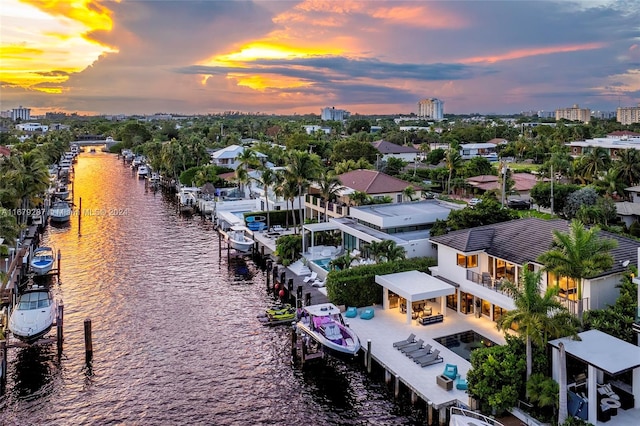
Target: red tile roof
523,182
618,133
4,151
372,182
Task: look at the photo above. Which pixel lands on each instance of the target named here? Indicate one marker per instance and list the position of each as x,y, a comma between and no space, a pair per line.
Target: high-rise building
575,113
628,115
431,109
21,114
333,114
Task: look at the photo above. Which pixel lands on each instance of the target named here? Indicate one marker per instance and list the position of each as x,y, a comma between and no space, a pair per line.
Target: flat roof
602,350
322,226
415,285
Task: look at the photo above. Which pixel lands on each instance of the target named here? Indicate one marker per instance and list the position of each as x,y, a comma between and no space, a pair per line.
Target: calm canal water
175,336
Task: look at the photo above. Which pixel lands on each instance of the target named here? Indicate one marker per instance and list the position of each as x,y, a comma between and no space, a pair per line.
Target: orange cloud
536,51
420,15
90,13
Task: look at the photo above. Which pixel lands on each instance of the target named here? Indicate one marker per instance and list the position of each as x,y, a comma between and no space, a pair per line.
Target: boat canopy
34,300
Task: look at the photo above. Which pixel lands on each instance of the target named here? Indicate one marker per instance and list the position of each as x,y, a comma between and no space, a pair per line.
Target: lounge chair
407,341
432,358
351,312
367,313
461,383
318,283
412,347
426,350
311,277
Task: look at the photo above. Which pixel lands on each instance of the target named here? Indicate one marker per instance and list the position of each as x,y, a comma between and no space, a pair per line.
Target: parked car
475,201
519,204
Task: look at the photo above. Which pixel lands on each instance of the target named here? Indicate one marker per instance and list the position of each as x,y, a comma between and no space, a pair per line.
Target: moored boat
142,171
42,260
33,315
60,212
463,417
237,239
279,314
325,325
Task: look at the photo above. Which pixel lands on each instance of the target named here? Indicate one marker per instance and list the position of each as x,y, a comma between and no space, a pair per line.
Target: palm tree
359,198
611,182
330,187
453,160
592,163
246,160
287,187
267,179
9,229
409,192
536,316
628,165
394,252
302,167
578,254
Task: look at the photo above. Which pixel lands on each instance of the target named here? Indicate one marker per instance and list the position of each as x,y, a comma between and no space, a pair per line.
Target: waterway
175,335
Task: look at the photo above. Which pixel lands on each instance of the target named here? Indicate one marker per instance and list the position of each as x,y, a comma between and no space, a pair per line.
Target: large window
568,286
452,300
467,261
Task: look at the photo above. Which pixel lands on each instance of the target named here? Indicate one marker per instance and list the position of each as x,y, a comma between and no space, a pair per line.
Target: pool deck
389,326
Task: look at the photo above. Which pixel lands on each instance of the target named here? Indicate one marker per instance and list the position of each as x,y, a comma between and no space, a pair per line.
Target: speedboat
62,192
324,325
42,260
60,212
142,171
188,199
33,315
464,417
238,240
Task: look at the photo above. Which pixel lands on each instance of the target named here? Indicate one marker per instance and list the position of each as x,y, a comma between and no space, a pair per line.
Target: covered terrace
603,354
414,286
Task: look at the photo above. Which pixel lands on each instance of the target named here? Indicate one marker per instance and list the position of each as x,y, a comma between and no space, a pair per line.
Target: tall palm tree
409,192
453,160
246,160
578,254
287,187
9,229
267,179
330,187
611,182
536,316
303,167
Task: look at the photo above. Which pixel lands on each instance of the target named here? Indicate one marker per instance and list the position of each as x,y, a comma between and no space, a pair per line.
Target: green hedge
357,286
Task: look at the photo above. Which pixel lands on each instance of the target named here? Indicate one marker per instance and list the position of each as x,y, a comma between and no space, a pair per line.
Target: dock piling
307,299
396,387
59,264
88,343
430,413
80,218
368,355
3,364
59,327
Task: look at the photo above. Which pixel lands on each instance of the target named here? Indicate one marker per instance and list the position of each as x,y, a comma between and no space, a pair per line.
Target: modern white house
33,127
612,145
406,224
477,260
228,156
484,149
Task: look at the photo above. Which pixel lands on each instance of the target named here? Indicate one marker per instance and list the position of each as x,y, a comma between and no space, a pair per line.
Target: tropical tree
592,163
9,229
302,167
359,198
578,254
246,160
453,161
287,187
345,166
330,187
394,252
267,179
409,192
537,316
628,166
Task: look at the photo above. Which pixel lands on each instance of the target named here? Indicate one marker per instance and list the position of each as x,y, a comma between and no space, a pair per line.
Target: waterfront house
406,224
375,184
228,156
477,260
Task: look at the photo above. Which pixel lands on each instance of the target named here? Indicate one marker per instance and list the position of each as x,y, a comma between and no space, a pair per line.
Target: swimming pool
323,263
465,342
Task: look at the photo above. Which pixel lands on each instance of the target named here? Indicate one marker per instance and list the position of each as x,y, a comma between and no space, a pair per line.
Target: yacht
237,239
324,325
60,212
143,171
33,315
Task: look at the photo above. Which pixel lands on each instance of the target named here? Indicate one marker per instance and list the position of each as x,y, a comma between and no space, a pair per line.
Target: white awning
602,351
415,285
322,226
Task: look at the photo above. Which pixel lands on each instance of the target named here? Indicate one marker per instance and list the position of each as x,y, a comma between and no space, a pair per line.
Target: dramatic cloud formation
98,56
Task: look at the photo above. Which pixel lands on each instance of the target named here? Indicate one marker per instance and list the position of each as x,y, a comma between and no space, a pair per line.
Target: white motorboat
464,417
188,199
60,212
33,315
143,171
237,239
325,325
42,260
62,192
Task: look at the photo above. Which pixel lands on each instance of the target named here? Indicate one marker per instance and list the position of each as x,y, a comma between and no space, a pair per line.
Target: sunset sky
369,57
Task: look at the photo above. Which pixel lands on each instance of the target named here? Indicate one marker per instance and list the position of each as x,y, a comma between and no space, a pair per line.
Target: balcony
487,281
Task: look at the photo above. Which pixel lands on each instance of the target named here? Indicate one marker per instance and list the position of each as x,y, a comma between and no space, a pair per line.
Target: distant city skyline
285,57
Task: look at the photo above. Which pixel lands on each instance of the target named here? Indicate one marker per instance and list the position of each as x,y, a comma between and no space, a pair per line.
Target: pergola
317,227
602,353
414,286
